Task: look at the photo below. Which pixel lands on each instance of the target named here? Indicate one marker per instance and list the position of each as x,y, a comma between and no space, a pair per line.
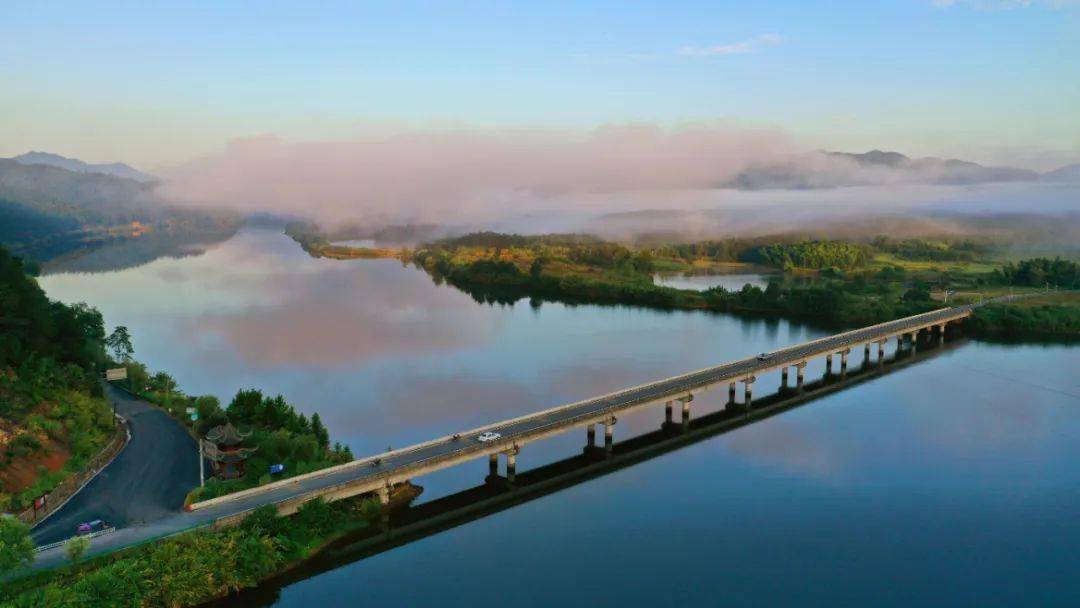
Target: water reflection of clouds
792,448
950,417
341,316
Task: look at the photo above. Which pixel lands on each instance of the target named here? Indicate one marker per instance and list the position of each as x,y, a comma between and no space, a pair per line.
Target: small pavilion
223,448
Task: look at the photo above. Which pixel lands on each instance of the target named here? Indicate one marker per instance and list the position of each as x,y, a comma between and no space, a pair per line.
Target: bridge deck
374,472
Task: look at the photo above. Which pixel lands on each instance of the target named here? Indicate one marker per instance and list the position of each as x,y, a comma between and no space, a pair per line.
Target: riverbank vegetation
199,566
1039,272
835,283
1041,316
53,418
319,245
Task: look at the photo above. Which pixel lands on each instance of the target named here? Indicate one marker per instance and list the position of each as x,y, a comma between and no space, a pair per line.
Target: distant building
223,449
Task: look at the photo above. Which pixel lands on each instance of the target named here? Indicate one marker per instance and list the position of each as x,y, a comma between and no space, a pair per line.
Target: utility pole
202,474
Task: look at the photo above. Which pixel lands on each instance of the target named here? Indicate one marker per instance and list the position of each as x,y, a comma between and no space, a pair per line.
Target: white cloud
734,48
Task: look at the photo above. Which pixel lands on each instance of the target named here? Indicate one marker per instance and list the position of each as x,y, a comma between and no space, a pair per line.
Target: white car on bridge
487,436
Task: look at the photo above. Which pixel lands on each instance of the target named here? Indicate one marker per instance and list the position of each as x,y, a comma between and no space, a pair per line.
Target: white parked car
487,436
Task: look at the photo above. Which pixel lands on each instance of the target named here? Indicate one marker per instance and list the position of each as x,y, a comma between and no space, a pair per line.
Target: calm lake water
701,282
953,481
369,243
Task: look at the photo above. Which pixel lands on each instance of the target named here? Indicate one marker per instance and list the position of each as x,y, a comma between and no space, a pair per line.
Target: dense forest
930,250
812,254
52,416
1058,320
1039,272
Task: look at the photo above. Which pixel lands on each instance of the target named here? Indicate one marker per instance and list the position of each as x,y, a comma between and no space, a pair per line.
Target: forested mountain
52,418
48,211
78,166
84,197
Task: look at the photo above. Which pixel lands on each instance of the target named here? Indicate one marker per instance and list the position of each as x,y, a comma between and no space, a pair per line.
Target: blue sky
159,82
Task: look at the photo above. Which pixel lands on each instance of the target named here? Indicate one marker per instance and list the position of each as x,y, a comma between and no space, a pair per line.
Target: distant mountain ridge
947,168
826,169
47,211
73,164
1068,173
86,197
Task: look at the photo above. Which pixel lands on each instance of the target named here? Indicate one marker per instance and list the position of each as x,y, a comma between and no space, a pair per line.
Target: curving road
147,481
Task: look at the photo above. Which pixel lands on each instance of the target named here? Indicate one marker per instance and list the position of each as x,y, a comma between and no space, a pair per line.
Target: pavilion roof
212,452
226,434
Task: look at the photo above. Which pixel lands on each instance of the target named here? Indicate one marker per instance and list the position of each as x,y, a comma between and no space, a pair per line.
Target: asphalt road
147,481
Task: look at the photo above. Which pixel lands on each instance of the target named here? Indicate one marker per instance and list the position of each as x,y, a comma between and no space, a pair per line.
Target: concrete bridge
380,473
412,522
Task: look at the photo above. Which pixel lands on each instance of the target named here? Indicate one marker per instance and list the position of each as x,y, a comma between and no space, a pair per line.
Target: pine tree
319,431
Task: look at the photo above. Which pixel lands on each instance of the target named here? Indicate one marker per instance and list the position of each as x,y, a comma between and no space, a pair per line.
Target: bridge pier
914,341
843,362
799,375
686,411
511,466
590,433
941,334
748,392
783,378
667,412
609,431
384,502
731,394
899,343
493,467
828,365
881,352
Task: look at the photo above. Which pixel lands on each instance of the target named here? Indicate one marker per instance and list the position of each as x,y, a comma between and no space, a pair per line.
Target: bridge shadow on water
411,523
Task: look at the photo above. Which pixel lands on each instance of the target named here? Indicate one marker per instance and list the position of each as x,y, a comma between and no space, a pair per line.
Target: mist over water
536,180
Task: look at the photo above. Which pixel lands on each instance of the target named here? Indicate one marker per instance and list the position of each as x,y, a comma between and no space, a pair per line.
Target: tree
163,382
16,548
246,406
320,431
75,548
119,341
